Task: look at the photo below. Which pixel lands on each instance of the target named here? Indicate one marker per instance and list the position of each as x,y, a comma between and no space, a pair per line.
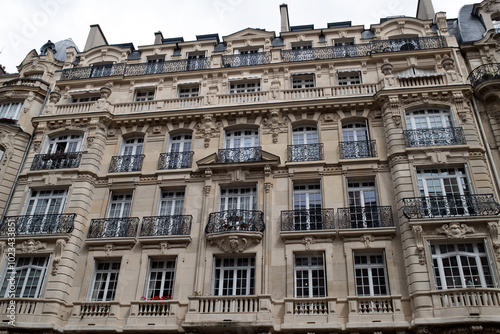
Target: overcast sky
28,24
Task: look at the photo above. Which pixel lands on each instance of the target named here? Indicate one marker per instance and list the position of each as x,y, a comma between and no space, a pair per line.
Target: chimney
158,37
95,38
425,10
285,22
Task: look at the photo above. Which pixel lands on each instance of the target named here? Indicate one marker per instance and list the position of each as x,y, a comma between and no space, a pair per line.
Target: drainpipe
9,199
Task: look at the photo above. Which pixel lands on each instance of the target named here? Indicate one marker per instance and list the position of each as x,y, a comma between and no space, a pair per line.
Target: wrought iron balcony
434,137
56,161
484,73
366,49
38,224
242,154
307,220
170,66
450,206
166,225
125,227
258,58
305,152
365,217
235,220
175,160
126,163
357,149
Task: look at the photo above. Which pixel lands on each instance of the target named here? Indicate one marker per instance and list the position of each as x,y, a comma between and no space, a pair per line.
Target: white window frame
132,146
120,199
65,143
84,99
307,205
314,273
247,272
164,276
189,91
171,203
302,51
441,279
107,274
11,110
238,198
244,138
240,87
55,200
21,279
305,134
349,78
368,274
301,81
143,95
433,118
356,134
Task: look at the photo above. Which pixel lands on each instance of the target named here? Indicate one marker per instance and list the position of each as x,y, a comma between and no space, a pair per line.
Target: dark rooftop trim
340,24
208,37
302,28
172,40
125,46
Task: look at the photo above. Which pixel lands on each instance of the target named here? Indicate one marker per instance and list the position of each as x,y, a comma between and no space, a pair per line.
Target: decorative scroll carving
308,241
164,246
275,123
31,246
367,239
109,248
208,128
419,239
60,244
495,239
234,243
455,230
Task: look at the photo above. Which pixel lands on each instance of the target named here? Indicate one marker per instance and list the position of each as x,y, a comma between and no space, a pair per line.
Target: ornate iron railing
307,220
483,73
434,137
357,149
365,217
366,49
451,205
126,163
125,227
258,58
305,152
242,154
175,160
56,161
235,220
135,69
166,225
38,224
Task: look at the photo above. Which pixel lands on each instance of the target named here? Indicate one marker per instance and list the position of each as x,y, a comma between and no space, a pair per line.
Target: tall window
179,152
144,95
445,191
310,278
344,47
238,198
132,146
302,135
244,87
196,61
241,146
307,207
10,110
234,276
431,127
172,203
362,204
428,119
463,265
65,144
104,280
371,276
155,65
119,206
349,78
117,222
43,207
29,277
131,156
356,142
160,278
305,144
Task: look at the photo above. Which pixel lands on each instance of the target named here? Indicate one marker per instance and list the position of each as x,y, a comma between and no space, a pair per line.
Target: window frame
69,139
349,78
84,99
247,86
250,270
186,91
303,81
42,278
145,95
163,281
11,110
445,116
371,277
226,197
310,276
95,272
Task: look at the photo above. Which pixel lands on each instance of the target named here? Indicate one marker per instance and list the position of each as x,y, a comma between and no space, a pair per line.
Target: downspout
11,194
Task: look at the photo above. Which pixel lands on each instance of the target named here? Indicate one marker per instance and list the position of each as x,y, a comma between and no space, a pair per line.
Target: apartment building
339,179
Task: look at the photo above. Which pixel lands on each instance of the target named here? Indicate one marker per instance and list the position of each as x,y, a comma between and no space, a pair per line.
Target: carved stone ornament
387,69
208,128
367,239
30,246
495,238
275,123
60,244
419,240
108,248
163,247
455,230
397,120
235,243
308,241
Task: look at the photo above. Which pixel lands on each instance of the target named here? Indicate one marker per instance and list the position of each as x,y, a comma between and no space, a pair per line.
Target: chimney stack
425,10
285,22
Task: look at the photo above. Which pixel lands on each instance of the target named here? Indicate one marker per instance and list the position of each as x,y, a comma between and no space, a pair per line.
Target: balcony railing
472,297
125,227
39,224
357,149
484,73
228,304
235,220
135,69
434,137
56,161
358,217
166,225
126,163
366,49
258,58
376,304
242,154
21,306
175,160
450,206
305,152
307,220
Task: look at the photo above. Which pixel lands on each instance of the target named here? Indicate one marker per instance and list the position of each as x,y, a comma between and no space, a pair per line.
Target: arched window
61,151
240,146
356,141
130,158
305,146
179,154
65,143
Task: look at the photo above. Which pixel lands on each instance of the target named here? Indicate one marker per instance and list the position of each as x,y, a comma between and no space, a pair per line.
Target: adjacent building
339,179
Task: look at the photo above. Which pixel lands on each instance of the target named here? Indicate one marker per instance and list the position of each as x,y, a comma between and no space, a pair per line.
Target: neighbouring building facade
329,180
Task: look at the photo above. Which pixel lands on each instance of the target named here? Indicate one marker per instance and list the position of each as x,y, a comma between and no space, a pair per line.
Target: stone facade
320,181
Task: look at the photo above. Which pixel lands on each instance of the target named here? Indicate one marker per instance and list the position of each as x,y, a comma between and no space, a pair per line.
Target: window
133,146
145,95
155,65
189,91
343,41
357,143
363,208
307,207
241,146
196,61
244,87
445,191
302,135
104,280
65,144
463,265
102,70
29,277
310,278
349,78
242,138
131,156
34,76
371,276
10,110
428,119
344,47
119,205
247,51
84,99
179,152
305,145
302,51
234,276
2,152
496,23
303,81
44,207
238,198
117,222
160,279
431,127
